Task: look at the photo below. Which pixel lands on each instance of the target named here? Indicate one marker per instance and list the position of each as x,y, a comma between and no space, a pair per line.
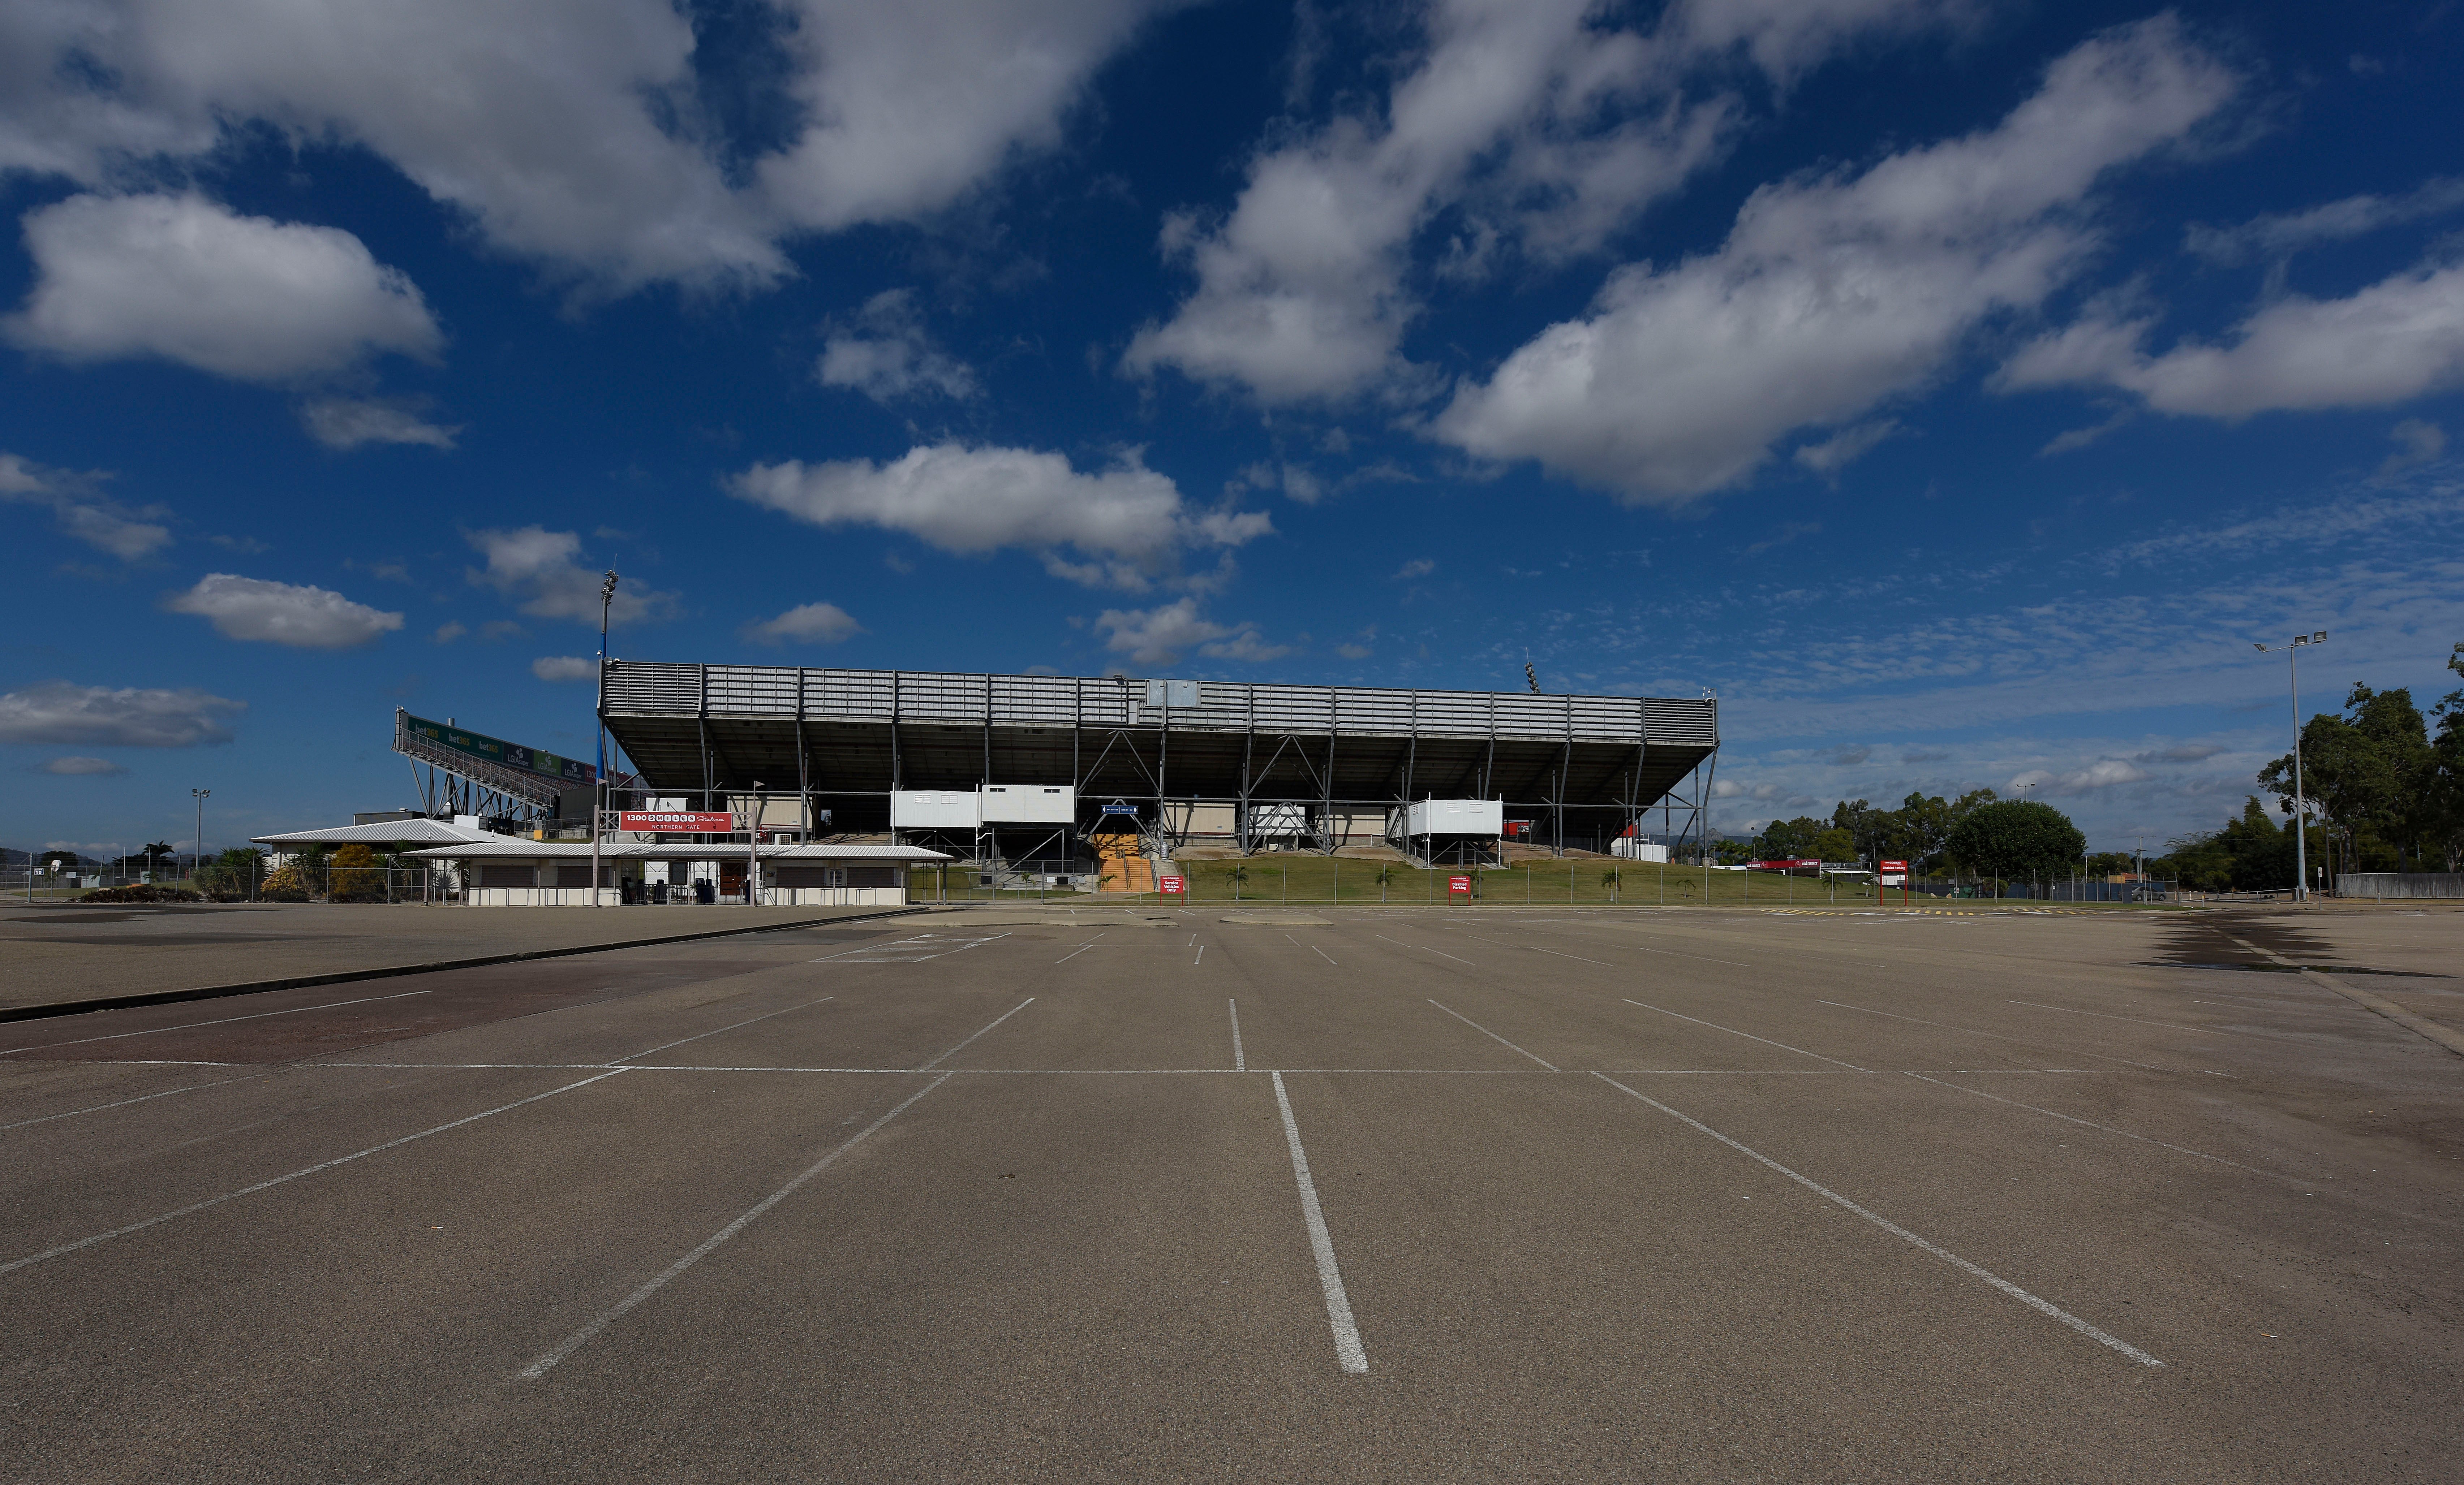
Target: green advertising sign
497,751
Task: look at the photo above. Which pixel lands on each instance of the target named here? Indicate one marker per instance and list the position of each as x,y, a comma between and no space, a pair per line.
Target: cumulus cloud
537,566
280,613
1159,636
2102,775
2417,441
1417,567
563,667
812,624
83,512
1834,293
58,711
348,421
2392,341
76,767
182,279
578,132
2278,235
1527,125
1127,522
888,357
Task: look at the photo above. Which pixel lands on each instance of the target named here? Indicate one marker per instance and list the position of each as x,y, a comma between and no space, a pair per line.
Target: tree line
2385,792
1978,832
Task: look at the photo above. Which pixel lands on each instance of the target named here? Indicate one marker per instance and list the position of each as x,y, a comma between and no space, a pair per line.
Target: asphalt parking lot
1338,1195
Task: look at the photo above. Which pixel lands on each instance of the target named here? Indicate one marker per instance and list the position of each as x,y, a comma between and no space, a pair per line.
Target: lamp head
2255,645
2319,638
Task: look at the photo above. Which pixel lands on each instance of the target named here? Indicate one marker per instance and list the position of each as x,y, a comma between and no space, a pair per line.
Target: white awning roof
384,833
513,849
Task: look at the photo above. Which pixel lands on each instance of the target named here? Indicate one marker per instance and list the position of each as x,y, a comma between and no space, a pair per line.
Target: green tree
2444,807
1835,845
2014,839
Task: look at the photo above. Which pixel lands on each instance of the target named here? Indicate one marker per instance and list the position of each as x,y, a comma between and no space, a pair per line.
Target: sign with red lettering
1459,886
676,822
1173,885
1894,873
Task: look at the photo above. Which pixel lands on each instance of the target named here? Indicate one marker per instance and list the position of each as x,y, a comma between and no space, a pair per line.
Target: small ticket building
508,872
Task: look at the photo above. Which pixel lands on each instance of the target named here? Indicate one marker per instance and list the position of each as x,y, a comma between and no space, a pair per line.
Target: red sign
676,822
1173,885
1782,865
1460,887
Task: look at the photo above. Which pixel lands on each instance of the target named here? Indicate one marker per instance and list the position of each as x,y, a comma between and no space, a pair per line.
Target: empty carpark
1337,1193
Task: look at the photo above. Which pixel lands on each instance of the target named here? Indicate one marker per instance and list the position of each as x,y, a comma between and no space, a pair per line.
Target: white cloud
1417,567
1834,293
2276,235
279,613
2418,441
889,358
574,132
812,624
911,105
348,421
58,711
1537,126
79,768
563,667
2104,773
1845,447
1128,521
182,279
2394,341
1159,636
537,566
450,631
99,522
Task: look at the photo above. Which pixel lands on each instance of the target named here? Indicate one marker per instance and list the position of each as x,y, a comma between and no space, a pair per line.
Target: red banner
717,822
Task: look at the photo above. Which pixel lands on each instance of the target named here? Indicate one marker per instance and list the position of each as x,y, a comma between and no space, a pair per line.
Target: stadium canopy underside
1199,759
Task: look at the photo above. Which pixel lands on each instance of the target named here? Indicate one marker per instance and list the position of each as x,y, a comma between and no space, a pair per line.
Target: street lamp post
753,851
599,734
2301,806
197,863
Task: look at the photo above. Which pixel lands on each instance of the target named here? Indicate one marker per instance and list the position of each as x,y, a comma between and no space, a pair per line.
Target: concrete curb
392,971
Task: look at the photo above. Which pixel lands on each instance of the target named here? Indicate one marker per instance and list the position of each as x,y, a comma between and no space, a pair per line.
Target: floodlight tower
198,863
2291,649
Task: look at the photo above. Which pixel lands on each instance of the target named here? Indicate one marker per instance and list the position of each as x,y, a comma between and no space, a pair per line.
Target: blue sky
1958,388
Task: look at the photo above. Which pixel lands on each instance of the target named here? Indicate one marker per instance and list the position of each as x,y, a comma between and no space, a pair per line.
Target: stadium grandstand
1000,766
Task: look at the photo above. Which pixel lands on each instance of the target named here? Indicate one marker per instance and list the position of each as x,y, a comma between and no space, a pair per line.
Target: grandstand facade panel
1199,762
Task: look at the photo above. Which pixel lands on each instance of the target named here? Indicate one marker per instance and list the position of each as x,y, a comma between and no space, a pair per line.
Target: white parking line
250,1190
1240,1059
97,1108
581,1338
2041,1306
962,1046
1349,1353
259,1015
1201,955
1426,950
2203,1031
1494,1036
1995,1035
1323,954
1750,1037
699,1036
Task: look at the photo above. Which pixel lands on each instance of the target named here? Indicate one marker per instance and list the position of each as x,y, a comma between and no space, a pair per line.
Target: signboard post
1891,874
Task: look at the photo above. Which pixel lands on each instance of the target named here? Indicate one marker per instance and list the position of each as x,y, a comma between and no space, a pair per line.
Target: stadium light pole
599,735
198,861
2300,807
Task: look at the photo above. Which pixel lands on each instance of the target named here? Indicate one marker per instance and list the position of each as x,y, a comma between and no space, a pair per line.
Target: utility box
935,809
1628,848
1454,817
1029,804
